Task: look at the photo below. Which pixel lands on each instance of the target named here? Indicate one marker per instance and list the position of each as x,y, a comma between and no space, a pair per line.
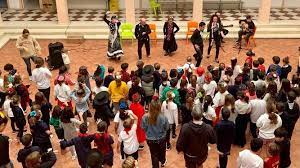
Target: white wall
87,4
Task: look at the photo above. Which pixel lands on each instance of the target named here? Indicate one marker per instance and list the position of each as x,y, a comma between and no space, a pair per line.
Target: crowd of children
147,106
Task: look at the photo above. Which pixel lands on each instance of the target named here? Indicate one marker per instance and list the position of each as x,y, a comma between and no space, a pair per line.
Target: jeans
223,159
173,129
28,63
46,93
198,55
140,46
157,151
253,129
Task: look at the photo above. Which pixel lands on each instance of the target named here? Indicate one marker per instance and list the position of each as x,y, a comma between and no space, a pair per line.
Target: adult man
197,41
193,140
29,48
247,29
142,31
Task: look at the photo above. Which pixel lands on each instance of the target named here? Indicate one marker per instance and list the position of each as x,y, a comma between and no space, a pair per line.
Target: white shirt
241,107
210,114
200,80
130,141
210,88
97,90
266,129
257,108
248,159
42,77
1,83
259,83
66,58
118,120
170,111
189,67
236,71
7,109
62,92
219,99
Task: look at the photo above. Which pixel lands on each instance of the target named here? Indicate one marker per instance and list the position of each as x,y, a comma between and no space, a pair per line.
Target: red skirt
62,104
218,111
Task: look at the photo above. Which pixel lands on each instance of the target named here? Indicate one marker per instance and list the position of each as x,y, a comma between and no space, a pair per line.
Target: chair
153,34
251,38
126,32
191,27
155,6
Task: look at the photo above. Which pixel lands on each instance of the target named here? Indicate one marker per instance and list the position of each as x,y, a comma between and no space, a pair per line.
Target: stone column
1,18
62,12
264,11
130,11
197,10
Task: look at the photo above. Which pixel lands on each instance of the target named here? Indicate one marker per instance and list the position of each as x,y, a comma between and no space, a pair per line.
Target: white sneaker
30,78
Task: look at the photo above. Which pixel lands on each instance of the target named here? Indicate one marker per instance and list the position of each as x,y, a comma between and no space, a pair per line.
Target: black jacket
139,29
197,38
193,140
23,153
225,135
290,118
285,147
174,27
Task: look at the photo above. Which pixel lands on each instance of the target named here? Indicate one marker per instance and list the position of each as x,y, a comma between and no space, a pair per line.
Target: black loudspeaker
55,60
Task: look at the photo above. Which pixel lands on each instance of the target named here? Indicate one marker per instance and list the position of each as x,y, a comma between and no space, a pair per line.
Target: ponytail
271,109
207,103
273,118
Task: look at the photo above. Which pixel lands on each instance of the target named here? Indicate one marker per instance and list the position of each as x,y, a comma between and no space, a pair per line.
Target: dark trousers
157,151
20,131
198,55
241,122
192,162
46,93
218,45
140,46
28,63
2,98
173,129
223,159
12,123
44,146
247,35
135,155
253,129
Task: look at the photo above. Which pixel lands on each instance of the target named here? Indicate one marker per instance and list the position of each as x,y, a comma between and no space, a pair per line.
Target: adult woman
169,32
114,45
215,29
156,125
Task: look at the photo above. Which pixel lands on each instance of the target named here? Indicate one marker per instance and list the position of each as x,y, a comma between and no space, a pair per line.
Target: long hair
272,88
67,114
170,99
285,85
212,17
207,102
154,111
271,110
40,98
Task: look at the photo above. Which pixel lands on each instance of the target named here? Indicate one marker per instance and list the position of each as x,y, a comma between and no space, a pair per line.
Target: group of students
212,105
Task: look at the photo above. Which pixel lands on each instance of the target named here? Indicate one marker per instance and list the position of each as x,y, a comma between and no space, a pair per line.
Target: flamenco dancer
114,45
170,29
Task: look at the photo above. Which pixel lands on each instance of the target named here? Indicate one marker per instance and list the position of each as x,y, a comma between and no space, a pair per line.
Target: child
250,93
170,110
261,66
129,138
84,77
254,71
82,144
69,126
193,85
63,71
249,59
164,82
136,88
219,99
10,72
80,98
40,130
189,67
157,77
99,86
56,122
186,108
2,90
209,114
229,103
276,61
42,76
18,115
22,91
183,91
26,140
62,93
210,85
242,108
138,110
272,161
200,72
225,131
44,105
109,77
7,109
147,83
130,162
140,66
251,158
4,144
100,71
101,104
65,56
281,139
286,68
125,75
103,141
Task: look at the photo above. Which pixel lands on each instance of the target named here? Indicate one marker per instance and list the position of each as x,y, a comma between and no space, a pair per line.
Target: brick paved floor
93,51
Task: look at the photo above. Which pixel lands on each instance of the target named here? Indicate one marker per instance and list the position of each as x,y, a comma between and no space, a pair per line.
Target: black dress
170,44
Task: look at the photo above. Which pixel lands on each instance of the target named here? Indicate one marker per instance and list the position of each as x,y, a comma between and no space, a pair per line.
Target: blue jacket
157,131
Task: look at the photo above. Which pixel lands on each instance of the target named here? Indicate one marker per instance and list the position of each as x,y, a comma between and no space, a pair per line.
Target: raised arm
105,19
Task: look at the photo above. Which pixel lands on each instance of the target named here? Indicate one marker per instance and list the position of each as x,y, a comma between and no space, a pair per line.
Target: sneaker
164,164
30,78
141,147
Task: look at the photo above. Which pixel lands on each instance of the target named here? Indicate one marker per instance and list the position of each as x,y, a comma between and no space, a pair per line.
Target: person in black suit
197,41
170,29
142,31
